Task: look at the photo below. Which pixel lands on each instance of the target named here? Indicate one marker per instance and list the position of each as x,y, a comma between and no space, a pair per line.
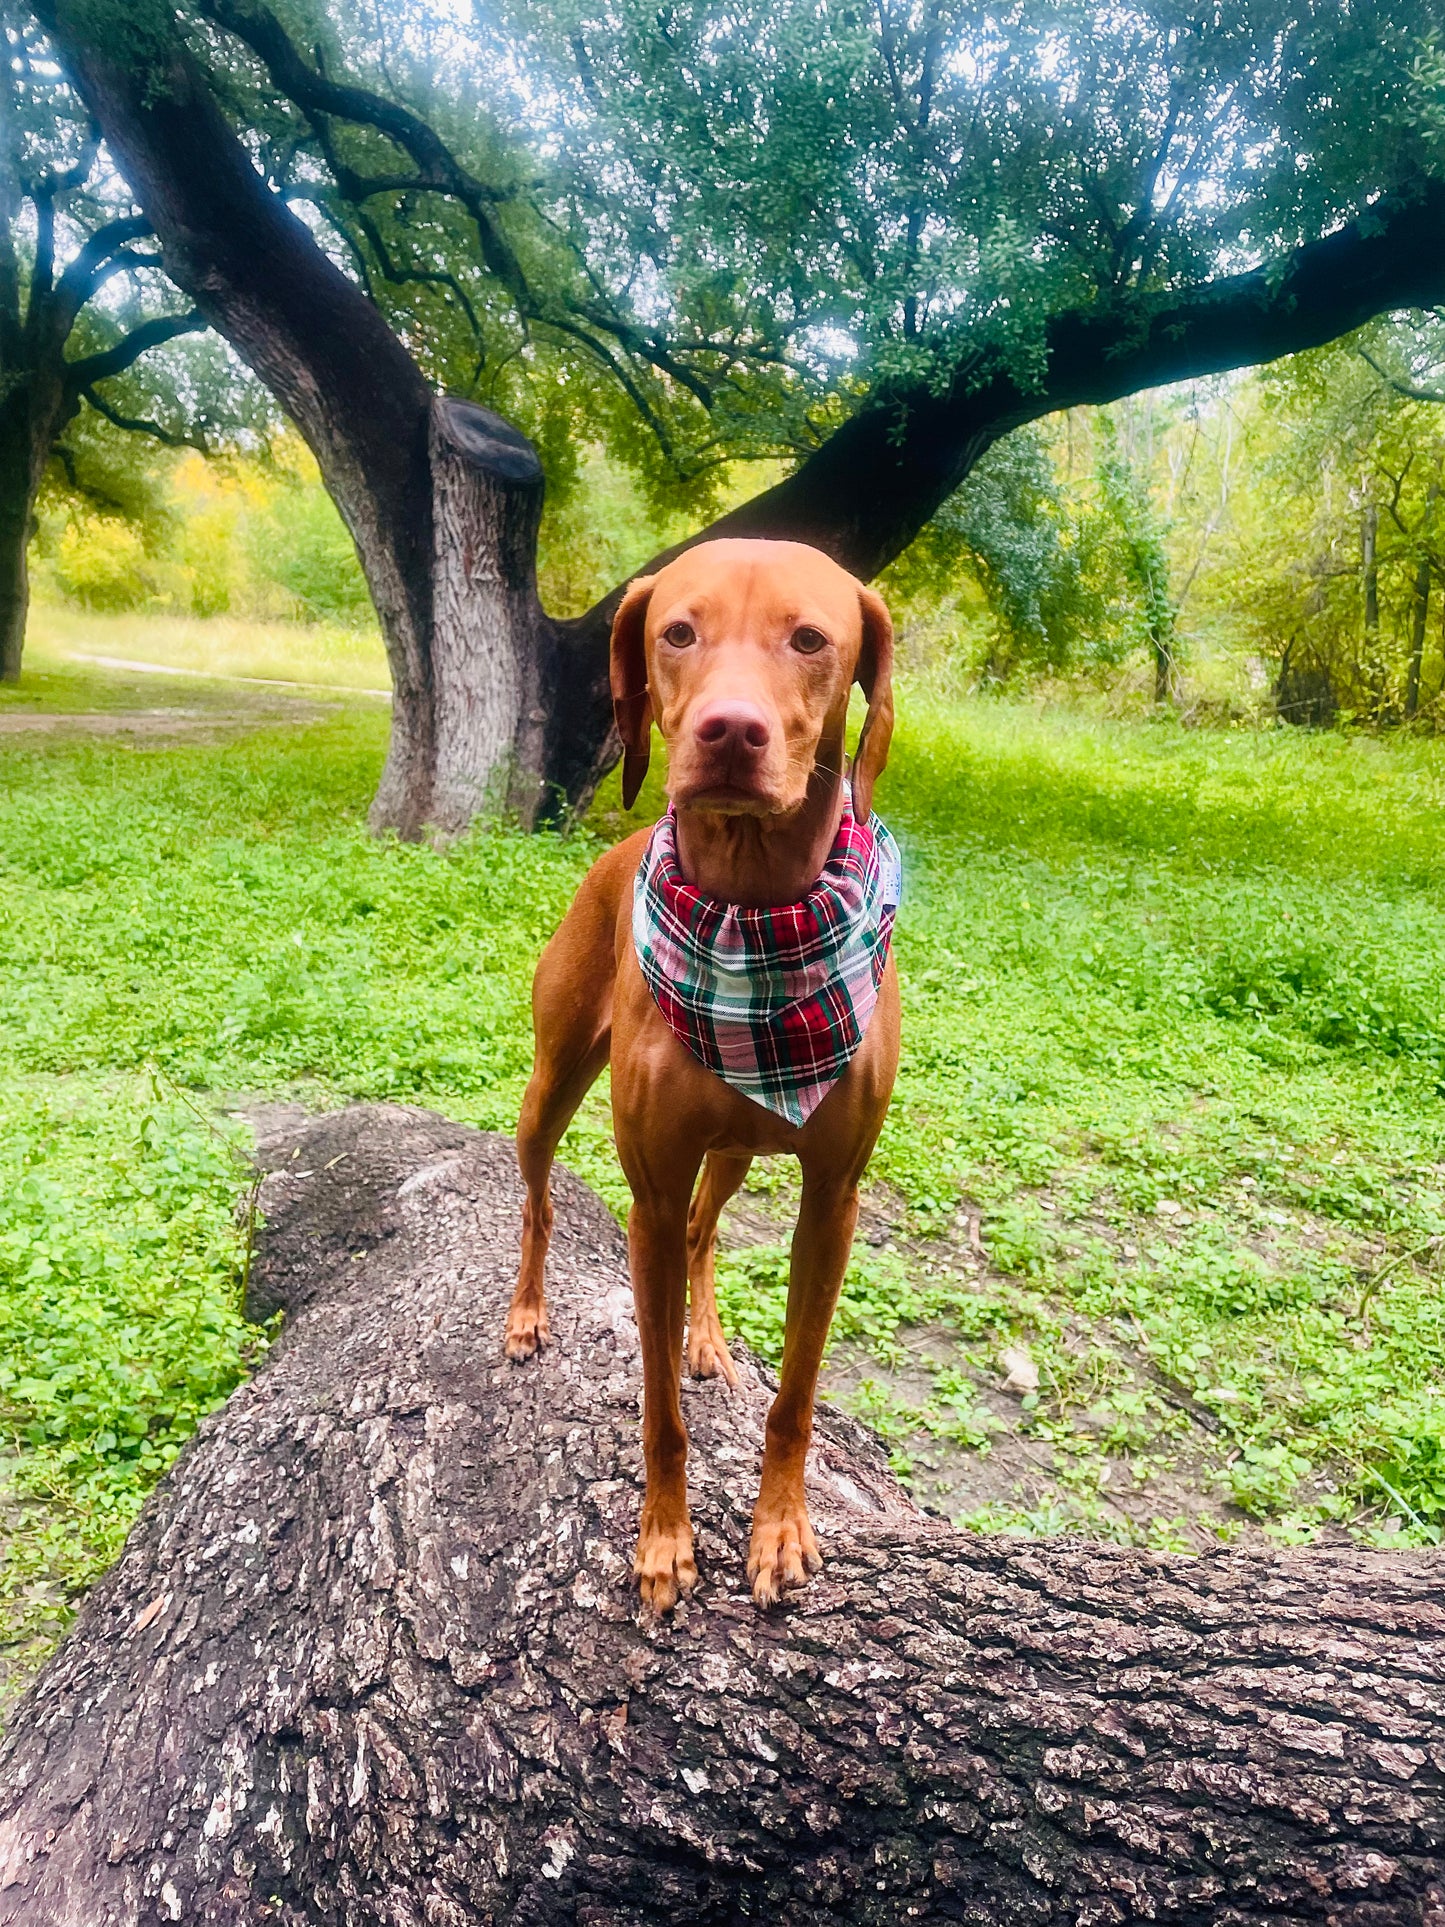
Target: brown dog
744,653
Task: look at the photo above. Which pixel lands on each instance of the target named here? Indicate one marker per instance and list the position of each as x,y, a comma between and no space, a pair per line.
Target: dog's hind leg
707,1352
572,1018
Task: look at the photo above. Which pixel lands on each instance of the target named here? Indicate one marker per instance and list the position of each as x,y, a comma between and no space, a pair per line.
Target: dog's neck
761,861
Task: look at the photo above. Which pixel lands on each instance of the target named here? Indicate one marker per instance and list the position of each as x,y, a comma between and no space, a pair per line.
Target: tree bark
1419,616
33,415
372,1653
17,510
1162,650
1372,664
492,645
1370,573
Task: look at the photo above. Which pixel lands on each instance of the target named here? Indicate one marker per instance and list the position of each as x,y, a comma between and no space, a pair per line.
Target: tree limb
876,481
142,425
1411,390
879,478
82,274
79,486
373,1654
83,374
43,266
44,191
440,172
401,273
317,96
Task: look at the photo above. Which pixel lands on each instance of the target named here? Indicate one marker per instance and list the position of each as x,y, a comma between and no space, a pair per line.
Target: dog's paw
783,1554
707,1351
664,1567
527,1332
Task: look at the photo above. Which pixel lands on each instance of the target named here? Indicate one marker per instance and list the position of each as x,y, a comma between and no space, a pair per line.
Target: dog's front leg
657,1248
783,1551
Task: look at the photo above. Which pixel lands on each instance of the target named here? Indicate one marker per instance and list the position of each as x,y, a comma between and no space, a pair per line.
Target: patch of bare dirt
1171,1478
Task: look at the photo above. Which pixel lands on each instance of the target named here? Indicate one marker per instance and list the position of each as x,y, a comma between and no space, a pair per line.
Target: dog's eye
809,641
680,634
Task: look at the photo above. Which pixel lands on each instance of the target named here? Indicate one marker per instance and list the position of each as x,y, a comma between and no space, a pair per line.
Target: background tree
1043,555
875,243
1125,487
1328,560
82,300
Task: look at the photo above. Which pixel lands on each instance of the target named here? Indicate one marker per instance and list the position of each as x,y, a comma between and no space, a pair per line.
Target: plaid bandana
773,1001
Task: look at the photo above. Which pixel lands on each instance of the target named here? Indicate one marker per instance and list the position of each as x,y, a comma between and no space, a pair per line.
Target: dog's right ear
631,698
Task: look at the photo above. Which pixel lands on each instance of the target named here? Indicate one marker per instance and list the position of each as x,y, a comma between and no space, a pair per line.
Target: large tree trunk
471,740
492,648
322,348
441,498
373,1655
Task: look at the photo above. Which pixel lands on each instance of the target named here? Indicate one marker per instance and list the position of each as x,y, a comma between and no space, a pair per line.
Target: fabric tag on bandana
774,1001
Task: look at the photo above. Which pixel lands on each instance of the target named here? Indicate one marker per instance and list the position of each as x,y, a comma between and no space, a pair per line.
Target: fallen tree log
372,1654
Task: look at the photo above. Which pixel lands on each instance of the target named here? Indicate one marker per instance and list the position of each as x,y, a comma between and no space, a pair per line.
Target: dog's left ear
874,674
631,699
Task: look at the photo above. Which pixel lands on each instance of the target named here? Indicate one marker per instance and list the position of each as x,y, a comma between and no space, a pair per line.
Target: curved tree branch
321,98
877,480
142,425
440,172
77,483
880,477
83,273
1412,391
83,374
44,191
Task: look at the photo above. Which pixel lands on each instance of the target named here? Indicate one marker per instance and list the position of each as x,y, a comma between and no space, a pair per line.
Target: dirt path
219,675
159,724
140,702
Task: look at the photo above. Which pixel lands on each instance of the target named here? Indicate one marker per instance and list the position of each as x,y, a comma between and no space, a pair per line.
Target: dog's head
744,653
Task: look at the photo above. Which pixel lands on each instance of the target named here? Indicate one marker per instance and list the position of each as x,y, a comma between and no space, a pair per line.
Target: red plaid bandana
773,1001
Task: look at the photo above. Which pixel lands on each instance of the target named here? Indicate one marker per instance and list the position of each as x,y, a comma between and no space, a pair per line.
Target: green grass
1172,1029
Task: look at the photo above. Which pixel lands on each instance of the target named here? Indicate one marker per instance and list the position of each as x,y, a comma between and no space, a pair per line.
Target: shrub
101,563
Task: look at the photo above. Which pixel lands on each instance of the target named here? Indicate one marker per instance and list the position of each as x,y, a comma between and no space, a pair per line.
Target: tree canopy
869,194
715,233
867,244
